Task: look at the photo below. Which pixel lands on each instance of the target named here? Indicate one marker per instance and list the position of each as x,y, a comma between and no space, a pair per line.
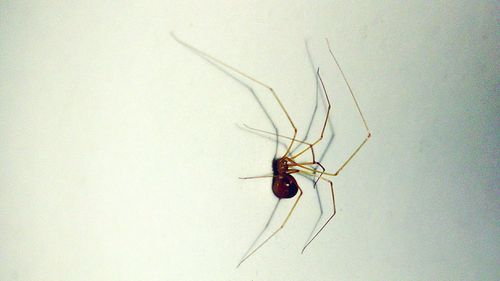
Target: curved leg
303,165
359,110
344,164
312,178
329,219
317,91
324,124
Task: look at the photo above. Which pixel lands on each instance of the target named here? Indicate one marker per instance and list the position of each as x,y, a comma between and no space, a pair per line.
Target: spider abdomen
285,186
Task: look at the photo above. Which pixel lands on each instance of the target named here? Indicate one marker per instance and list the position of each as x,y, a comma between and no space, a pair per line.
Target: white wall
120,154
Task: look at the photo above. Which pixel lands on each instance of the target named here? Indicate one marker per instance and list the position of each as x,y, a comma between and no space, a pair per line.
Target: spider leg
236,70
332,190
368,135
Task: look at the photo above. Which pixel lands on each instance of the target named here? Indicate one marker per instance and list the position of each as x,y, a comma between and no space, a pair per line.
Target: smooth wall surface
120,149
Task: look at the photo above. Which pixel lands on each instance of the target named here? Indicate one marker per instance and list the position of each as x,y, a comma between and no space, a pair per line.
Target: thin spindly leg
312,177
272,136
330,218
248,77
304,165
257,177
317,92
359,110
324,124
360,113
281,136
276,231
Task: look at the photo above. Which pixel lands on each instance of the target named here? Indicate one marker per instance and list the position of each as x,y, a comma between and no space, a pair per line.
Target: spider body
284,185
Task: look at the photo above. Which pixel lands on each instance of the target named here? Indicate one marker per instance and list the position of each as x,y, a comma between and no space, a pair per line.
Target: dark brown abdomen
285,187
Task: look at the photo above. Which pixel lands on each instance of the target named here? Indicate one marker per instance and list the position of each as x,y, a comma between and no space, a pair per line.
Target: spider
284,185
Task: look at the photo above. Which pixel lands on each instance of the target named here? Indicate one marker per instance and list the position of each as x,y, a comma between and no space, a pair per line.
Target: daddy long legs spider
284,185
